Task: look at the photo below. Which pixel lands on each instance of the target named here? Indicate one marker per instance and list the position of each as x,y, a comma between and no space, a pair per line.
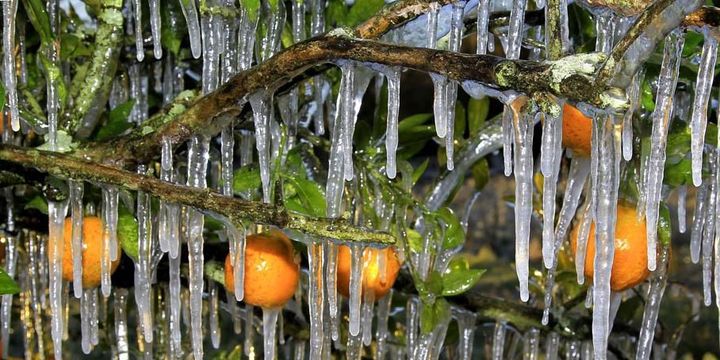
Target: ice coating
11,253
483,11
633,94
366,311
393,112
139,45
174,288
550,157
682,208
155,27
355,288
661,121
696,232
652,307
507,132
189,9
331,251
466,329
498,344
552,346
381,330
703,89
121,324
262,106
316,299
142,272
516,29
213,315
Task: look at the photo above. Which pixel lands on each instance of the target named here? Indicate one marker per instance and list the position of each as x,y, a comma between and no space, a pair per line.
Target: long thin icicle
516,29
681,208
316,299
661,121
633,94
11,252
703,87
606,194
77,210
189,9
550,157
121,327
9,75
652,308
483,12
355,301
696,233
391,134
56,217
139,41
523,164
155,27
262,106
498,345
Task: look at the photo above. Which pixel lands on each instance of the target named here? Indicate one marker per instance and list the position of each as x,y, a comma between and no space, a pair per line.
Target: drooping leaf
477,114
127,232
38,203
117,121
454,233
420,170
7,284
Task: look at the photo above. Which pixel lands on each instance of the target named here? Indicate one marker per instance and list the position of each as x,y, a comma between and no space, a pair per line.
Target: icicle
681,208
189,9
532,345
523,125
355,300
550,157
605,30
331,252
381,330
515,30
155,27
262,105
211,48
498,345
213,316
482,26
249,331
56,217
633,94
9,74
275,23
703,86
316,299
412,318
139,41
606,194
454,42
121,330
696,233
270,317
661,122
507,131
391,137
11,252
552,345
198,154
652,307
709,230
359,79
175,304
35,260
336,164
76,205
227,144
86,314
466,329
572,350
237,242
143,273
366,310
166,227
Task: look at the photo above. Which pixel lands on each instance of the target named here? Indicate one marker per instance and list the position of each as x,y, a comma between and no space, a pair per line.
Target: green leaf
336,12
459,281
172,32
664,226
647,96
251,6
117,121
481,173
434,283
420,170
678,142
362,10
413,121
35,10
678,174
127,232
7,284
38,203
246,178
454,233
308,199
477,114
457,263
427,318
415,240
2,95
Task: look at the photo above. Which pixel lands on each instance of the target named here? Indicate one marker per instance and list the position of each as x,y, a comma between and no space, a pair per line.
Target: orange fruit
92,252
576,131
271,272
630,262
371,279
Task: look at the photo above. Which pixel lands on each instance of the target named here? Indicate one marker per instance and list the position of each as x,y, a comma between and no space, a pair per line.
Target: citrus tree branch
235,209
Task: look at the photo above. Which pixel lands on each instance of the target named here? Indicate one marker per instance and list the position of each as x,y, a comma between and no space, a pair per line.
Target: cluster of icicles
228,46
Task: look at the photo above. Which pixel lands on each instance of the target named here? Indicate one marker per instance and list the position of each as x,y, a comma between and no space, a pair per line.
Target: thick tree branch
395,15
235,209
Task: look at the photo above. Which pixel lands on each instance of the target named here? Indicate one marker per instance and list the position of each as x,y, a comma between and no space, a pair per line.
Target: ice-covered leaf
38,203
415,240
7,284
647,97
432,313
117,121
477,112
664,225
481,173
308,196
35,10
678,174
362,10
73,46
411,122
420,170
64,143
454,233
246,178
127,232
251,6
172,30
457,282
2,95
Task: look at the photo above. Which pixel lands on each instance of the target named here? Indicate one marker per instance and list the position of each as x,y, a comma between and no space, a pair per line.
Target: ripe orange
271,273
91,255
371,279
576,131
630,263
